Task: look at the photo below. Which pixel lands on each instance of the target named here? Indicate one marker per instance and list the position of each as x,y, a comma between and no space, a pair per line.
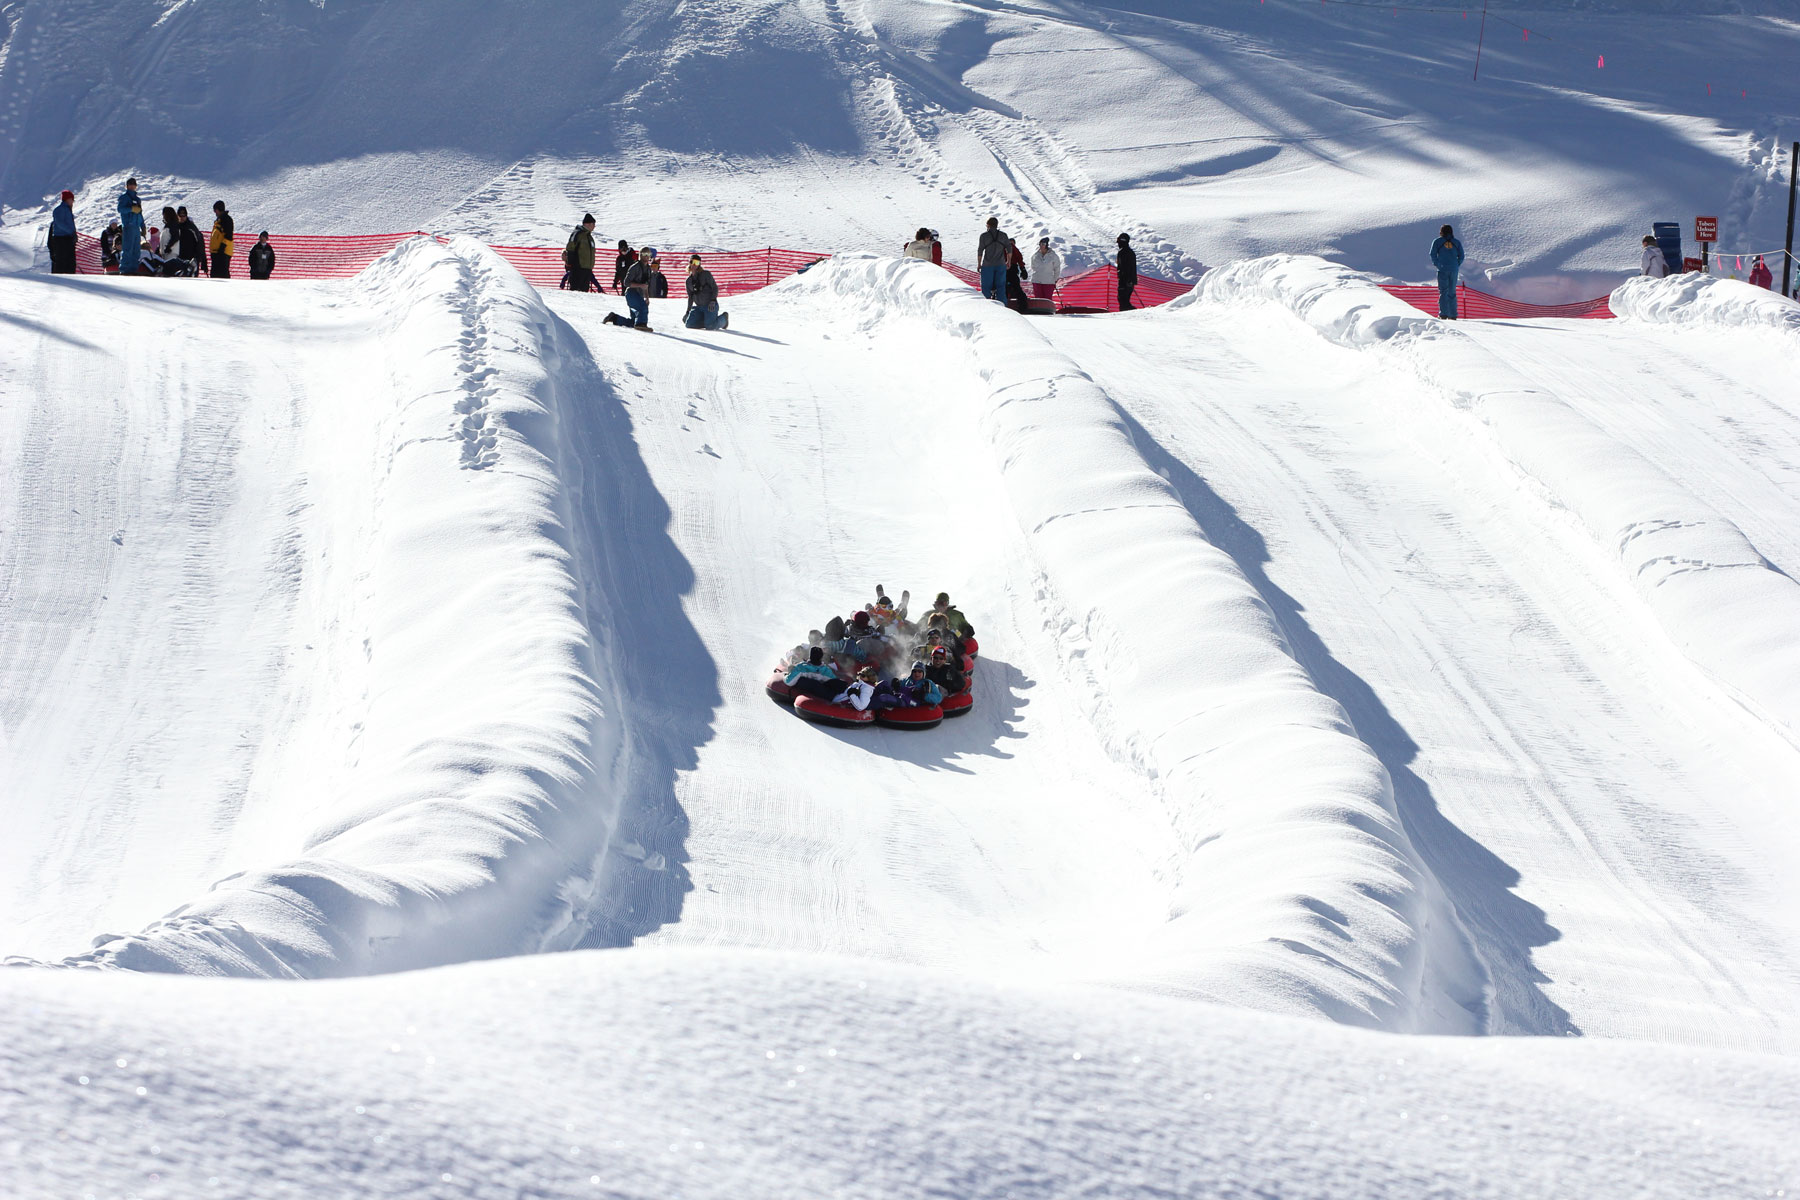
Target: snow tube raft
959,704
928,716
779,691
824,712
971,647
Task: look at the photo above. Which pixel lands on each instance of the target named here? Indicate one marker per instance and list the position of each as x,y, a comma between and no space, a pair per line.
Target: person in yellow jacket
220,242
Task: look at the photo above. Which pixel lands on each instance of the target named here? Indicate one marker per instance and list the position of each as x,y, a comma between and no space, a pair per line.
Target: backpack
569,250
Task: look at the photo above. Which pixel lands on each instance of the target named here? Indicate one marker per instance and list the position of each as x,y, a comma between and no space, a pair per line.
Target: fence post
768,255
1787,264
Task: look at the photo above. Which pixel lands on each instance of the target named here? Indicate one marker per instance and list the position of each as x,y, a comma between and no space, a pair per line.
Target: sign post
1706,232
1787,265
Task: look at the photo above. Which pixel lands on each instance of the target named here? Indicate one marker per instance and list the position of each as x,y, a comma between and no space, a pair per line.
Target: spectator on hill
622,264
109,246
1761,276
190,246
578,256
62,236
659,283
1046,269
1015,279
223,230
1447,257
920,246
990,257
1655,264
262,257
1127,272
170,240
131,226
703,299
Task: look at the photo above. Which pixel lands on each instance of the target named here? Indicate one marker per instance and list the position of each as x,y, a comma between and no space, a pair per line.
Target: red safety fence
297,255
310,256
1476,305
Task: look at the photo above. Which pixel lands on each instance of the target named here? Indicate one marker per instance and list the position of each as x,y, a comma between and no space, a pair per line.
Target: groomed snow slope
740,1076
1211,132
293,611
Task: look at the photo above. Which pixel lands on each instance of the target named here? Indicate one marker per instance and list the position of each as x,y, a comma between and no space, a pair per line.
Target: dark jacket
1127,265
990,251
581,248
192,246
659,285
637,278
948,678
262,260
702,289
621,265
1446,255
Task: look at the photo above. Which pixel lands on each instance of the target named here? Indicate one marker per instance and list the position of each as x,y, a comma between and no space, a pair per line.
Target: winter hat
869,673
649,251
938,652
1124,238
587,219
218,206
883,602
68,196
860,618
818,656
263,234
917,665
942,598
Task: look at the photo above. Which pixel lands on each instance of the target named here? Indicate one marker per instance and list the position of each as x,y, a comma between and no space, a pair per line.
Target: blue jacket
1446,255
62,221
807,670
921,691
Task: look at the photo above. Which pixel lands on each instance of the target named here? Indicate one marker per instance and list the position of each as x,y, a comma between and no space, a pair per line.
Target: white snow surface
1345,674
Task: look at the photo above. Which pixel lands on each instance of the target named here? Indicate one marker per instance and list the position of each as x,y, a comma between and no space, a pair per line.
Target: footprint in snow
118,539
706,449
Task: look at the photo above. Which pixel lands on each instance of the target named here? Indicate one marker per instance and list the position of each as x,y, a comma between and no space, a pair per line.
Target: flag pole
1481,38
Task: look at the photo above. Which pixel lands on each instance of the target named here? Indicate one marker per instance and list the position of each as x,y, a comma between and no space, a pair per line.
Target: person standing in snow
1761,276
622,264
1447,257
578,256
703,299
990,257
937,250
262,257
1046,269
1127,272
920,246
131,229
1015,279
224,228
62,236
1656,264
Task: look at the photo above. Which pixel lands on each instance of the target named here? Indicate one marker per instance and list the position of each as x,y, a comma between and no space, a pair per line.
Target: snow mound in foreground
1700,300
482,744
1715,595
752,1074
1298,888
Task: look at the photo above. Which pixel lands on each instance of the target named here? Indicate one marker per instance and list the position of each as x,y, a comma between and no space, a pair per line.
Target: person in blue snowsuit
1447,257
131,227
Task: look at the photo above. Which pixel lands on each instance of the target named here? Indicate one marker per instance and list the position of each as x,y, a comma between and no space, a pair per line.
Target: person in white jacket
1655,265
920,246
1046,269
860,690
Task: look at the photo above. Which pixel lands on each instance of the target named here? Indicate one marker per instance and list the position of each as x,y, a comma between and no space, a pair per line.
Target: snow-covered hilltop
1351,685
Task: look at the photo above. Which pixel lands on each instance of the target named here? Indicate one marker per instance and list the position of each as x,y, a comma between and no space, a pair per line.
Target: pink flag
1603,61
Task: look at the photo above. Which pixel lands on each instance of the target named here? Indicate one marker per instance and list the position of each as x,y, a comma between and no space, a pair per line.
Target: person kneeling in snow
814,677
860,692
703,299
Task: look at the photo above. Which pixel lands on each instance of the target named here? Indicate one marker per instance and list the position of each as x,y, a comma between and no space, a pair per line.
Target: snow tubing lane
779,691
823,712
959,704
923,717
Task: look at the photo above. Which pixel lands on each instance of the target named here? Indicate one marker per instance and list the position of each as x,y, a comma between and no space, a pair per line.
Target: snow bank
479,737
750,1075
1718,599
1700,300
1296,885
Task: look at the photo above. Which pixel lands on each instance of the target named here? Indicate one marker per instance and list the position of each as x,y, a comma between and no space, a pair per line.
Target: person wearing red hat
62,237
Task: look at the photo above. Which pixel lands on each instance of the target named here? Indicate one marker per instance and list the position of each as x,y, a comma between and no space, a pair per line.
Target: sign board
1706,229
1692,264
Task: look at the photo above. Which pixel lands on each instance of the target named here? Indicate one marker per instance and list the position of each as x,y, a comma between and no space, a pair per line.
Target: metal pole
1787,266
1482,37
